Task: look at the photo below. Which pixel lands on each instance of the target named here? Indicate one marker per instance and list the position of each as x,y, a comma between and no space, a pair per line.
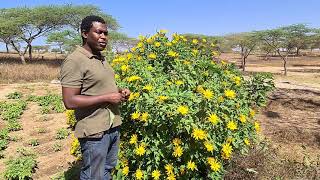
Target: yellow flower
173,54
171,177
191,165
194,52
139,174
214,164
237,80
163,31
152,56
133,49
140,45
252,112
246,141
195,41
257,126
176,36
186,62
232,125
212,45
207,94
176,141
124,68
183,110
155,174
208,146
200,89
204,40
169,44
133,96
169,169
125,171
230,94
144,116
150,40
157,44
140,150
133,139
168,83
213,118
179,82
129,56
135,115
116,76
141,49
226,150
124,162
162,98
139,58
242,118
177,151
133,78
174,41
215,53
147,87
199,134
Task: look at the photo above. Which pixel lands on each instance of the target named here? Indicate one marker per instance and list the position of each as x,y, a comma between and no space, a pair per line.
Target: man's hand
115,98
125,93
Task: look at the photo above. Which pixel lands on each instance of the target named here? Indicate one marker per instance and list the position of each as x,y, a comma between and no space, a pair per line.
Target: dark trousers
99,155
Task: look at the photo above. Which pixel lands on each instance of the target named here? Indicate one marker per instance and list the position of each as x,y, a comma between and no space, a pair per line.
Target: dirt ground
49,161
290,123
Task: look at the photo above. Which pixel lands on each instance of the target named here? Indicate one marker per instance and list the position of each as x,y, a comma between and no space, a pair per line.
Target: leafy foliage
49,103
187,114
14,95
22,166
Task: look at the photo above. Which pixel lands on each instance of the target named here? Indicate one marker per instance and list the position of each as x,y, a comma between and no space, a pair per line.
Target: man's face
97,37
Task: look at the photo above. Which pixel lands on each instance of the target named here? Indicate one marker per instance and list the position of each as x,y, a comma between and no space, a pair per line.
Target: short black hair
86,23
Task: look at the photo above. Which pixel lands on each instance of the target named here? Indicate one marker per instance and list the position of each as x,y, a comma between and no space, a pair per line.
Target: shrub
187,113
22,166
14,95
62,133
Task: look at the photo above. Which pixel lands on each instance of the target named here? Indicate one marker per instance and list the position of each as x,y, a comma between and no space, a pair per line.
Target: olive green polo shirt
94,76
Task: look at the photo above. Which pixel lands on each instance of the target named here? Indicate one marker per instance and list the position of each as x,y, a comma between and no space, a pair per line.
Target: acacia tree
314,40
246,42
279,40
69,36
31,23
297,35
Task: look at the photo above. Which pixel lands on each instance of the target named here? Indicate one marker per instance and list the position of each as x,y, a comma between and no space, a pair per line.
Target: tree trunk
30,50
266,56
297,52
23,60
243,63
7,47
285,65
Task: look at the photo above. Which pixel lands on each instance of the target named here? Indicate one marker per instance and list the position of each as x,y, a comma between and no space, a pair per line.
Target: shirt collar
89,54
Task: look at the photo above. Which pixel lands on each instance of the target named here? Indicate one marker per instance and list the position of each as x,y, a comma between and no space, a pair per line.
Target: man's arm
72,98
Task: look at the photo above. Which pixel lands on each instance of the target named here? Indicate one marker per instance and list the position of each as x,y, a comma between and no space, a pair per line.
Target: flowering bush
187,114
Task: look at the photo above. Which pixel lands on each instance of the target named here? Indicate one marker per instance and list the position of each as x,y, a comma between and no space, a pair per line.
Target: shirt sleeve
71,74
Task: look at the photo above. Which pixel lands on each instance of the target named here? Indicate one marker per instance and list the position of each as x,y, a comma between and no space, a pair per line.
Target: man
88,87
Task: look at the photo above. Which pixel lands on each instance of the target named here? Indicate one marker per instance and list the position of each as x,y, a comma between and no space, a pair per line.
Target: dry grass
43,68
265,162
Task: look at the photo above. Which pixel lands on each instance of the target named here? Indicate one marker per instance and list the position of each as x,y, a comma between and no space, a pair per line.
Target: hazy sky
208,17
